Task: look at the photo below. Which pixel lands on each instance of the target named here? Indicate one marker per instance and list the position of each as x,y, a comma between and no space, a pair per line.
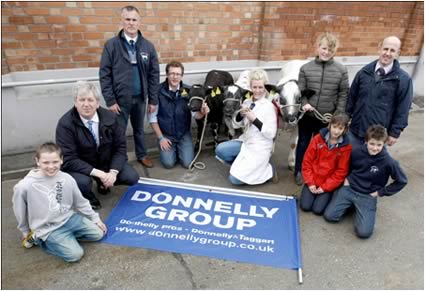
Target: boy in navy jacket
371,167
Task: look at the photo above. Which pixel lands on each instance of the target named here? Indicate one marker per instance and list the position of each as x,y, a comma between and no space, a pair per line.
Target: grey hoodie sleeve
82,205
20,209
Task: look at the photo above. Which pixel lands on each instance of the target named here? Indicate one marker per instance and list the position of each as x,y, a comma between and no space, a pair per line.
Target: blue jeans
235,181
136,112
228,150
183,149
314,202
63,243
365,210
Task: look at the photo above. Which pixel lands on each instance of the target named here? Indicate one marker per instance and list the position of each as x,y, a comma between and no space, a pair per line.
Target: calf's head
233,96
197,95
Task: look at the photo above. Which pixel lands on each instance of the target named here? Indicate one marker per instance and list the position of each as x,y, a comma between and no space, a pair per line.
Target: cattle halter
196,98
232,99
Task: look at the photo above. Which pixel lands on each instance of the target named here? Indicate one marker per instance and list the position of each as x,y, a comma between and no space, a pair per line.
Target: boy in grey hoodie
44,203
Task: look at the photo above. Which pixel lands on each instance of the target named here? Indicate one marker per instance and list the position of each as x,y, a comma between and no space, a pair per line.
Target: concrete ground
333,257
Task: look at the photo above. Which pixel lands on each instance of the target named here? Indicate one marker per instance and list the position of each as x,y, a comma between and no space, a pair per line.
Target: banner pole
300,276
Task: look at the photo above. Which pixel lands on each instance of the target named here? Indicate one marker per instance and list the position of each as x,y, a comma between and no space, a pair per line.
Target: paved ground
333,257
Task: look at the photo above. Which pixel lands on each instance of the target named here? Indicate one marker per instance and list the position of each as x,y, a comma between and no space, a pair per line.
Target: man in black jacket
93,145
129,76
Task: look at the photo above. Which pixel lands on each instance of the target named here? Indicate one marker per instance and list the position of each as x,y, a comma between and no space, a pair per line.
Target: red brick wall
55,35
291,28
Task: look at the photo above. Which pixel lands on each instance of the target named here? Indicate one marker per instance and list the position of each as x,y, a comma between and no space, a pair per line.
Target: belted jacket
174,116
116,71
380,100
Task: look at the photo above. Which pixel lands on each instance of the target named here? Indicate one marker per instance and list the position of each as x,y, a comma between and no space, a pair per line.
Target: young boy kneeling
371,167
325,164
43,204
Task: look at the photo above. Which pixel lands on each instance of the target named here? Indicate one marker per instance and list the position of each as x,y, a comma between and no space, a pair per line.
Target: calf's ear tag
212,94
184,93
272,92
218,91
247,95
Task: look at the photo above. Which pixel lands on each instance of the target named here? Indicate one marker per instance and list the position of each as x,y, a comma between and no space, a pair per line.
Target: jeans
183,149
307,127
63,243
127,176
235,181
314,202
136,112
365,210
228,150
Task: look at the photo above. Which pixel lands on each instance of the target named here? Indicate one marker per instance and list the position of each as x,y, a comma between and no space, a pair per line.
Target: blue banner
208,221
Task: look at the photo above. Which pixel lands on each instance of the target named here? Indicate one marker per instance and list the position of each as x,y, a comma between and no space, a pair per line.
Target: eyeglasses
175,74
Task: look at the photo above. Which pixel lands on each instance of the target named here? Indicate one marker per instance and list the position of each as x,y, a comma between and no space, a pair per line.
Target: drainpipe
418,76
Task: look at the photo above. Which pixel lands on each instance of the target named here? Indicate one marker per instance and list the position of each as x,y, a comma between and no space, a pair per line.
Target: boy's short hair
331,40
48,147
377,132
174,64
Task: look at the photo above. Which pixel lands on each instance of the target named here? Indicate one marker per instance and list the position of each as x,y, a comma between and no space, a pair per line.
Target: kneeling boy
371,167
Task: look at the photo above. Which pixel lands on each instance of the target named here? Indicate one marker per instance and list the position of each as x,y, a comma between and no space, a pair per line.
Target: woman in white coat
250,154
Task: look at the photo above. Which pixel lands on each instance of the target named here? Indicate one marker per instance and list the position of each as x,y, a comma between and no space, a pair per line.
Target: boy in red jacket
325,164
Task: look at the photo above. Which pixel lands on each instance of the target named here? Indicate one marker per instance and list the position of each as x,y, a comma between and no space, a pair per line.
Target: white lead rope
199,165
325,118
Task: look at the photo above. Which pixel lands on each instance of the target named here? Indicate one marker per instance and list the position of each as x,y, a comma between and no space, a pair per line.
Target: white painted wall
33,102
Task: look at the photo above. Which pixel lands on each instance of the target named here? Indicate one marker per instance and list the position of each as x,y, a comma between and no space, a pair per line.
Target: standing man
93,145
381,93
129,76
171,121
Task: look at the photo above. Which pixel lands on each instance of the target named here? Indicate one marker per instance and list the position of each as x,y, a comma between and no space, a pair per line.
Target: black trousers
127,176
308,126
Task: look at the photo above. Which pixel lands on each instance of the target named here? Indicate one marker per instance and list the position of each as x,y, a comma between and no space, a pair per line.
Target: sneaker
299,179
29,240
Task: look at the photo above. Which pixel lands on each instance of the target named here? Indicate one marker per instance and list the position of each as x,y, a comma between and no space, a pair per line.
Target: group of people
340,164
345,164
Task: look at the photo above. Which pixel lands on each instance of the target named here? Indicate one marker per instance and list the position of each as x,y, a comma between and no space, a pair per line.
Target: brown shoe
147,162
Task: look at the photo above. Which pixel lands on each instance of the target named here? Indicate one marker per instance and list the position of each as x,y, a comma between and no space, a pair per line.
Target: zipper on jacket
321,84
